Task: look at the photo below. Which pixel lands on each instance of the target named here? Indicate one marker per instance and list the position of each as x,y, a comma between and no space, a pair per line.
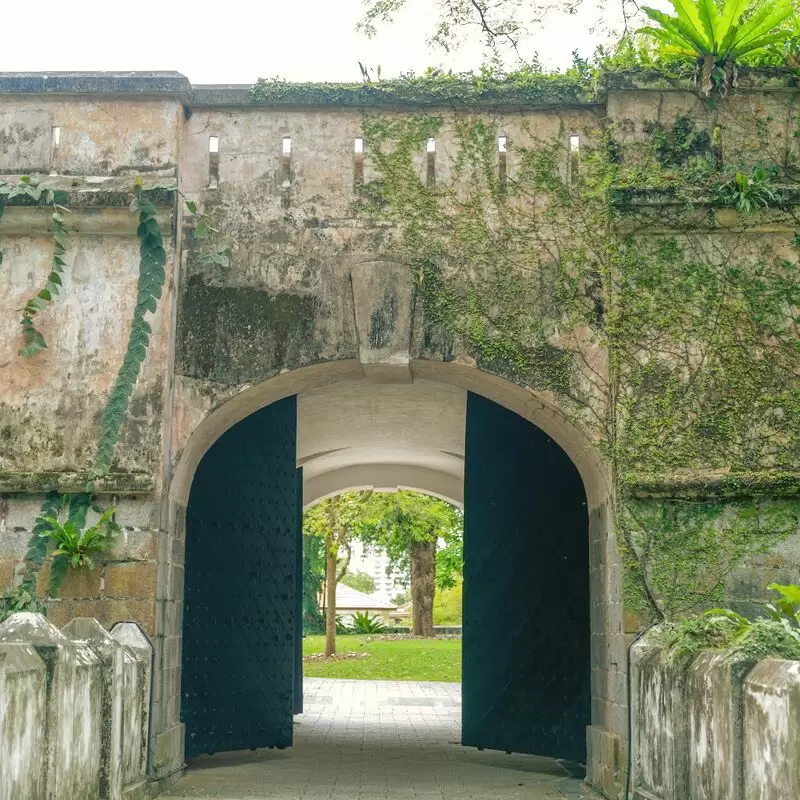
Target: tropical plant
719,36
75,546
787,609
749,192
364,623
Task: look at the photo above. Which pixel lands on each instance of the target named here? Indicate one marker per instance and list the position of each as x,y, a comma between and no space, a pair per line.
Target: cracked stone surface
370,740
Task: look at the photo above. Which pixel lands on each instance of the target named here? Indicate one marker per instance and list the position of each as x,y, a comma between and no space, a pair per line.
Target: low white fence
725,728
74,710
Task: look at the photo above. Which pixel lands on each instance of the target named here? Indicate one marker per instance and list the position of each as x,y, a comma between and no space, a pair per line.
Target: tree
336,521
408,526
719,36
359,581
505,26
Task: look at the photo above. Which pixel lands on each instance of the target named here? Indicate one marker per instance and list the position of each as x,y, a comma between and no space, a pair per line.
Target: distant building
349,601
374,563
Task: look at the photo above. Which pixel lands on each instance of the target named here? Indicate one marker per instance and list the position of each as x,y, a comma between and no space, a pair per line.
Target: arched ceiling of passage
356,434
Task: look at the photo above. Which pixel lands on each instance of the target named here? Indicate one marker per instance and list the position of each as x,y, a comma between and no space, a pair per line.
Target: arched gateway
472,321
454,431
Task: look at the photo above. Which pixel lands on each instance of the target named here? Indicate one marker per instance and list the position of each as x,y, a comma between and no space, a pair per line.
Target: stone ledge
703,484
127,483
143,84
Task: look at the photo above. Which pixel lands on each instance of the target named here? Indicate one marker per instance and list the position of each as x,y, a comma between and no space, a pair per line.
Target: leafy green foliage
701,337
434,87
749,192
23,597
786,611
722,628
720,34
152,275
216,248
76,547
313,581
341,627
359,581
34,341
32,189
448,604
396,519
685,551
364,623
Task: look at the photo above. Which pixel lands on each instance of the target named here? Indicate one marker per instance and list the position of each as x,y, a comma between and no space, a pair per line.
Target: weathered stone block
73,706
111,655
714,686
659,735
22,735
115,610
6,574
136,692
61,611
130,579
772,731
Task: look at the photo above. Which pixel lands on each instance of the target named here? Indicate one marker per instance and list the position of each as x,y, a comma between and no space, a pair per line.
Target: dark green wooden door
239,625
526,590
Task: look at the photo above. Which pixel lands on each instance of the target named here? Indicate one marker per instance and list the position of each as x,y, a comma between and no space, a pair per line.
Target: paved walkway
377,740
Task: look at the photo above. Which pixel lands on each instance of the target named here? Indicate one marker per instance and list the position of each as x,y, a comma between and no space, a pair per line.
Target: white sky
237,41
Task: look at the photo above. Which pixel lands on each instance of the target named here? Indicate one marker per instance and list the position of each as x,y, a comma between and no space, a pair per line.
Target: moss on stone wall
431,89
236,335
529,273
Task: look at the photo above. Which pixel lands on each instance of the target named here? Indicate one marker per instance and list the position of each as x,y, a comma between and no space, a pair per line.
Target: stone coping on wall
139,83
127,483
548,91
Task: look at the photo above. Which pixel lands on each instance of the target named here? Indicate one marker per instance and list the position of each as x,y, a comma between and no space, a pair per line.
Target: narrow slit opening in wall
574,156
286,159
55,140
358,161
213,162
502,165
430,149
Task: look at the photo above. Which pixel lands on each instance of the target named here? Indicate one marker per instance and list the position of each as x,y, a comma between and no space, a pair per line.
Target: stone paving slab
377,740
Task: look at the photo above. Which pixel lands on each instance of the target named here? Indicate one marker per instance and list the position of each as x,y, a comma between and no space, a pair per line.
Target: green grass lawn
396,659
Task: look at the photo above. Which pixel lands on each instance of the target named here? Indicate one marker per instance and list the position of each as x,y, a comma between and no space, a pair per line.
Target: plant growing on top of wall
719,37
776,634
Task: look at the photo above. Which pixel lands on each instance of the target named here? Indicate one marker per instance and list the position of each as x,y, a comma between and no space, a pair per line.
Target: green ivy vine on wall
61,526
534,270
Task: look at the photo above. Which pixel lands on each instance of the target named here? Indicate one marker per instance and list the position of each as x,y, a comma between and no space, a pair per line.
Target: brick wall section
121,588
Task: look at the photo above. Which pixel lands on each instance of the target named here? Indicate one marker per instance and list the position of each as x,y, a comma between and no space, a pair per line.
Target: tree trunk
423,574
330,600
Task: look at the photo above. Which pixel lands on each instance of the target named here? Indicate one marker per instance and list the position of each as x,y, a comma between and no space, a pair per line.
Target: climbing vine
48,529
536,271
152,274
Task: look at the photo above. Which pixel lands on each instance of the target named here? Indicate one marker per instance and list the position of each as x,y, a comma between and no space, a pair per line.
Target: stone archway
425,462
